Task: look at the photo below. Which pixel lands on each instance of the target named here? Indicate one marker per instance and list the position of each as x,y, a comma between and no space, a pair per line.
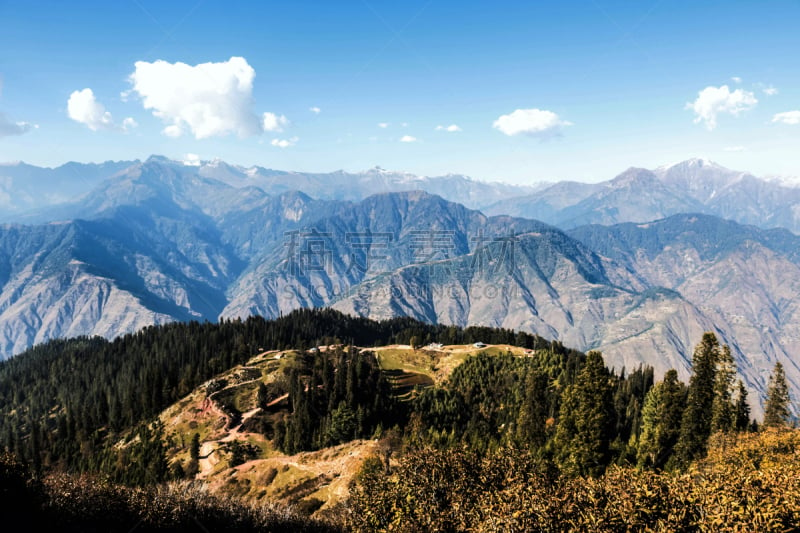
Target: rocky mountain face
161,241
742,282
645,294
639,195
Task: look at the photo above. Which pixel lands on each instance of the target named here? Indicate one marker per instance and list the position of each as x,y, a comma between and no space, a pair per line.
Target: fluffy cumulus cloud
206,100
408,139
273,122
84,108
315,110
284,143
787,117
714,101
770,90
452,128
532,122
8,127
383,125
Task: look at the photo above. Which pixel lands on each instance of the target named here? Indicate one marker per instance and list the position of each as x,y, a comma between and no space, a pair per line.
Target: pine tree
262,396
776,411
194,447
661,421
723,411
742,410
696,420
586,420
414,343
531,422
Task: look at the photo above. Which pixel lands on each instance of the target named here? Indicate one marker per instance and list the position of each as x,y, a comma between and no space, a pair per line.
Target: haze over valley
638,266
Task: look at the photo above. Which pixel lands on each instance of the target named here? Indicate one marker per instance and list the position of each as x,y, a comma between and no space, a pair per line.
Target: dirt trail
209,450
208,459
237,430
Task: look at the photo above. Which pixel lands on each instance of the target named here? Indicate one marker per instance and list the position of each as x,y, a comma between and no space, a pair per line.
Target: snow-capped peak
695,162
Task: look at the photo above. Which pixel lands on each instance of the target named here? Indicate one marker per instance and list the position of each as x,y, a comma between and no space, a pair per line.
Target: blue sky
532,91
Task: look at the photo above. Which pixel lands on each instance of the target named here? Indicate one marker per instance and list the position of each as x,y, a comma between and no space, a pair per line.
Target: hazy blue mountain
640,195
547,203
26,187
102,277
30,194
341,185
160,240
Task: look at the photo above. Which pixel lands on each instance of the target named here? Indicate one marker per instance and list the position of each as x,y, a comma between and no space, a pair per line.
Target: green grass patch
404,359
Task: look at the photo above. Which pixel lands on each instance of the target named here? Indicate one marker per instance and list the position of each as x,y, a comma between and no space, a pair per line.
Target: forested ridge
61,399
552,423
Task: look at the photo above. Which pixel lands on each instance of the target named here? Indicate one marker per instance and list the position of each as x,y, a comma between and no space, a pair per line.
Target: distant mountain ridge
640,195
26,190
30,194
162,241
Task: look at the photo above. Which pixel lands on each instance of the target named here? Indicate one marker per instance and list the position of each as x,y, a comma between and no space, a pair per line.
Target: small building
479,344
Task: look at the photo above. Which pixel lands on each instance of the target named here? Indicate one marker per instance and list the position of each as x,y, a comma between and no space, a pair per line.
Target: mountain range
641,195
637,267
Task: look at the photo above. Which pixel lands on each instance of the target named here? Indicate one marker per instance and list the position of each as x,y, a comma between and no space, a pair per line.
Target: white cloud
315,110
83,107
787,117
284,143
533,122
713,101
172,131
404,124
8,127
452,128
770,91
191,160
208,99
733,149
128,124
273,122
408,139
736,79
383,125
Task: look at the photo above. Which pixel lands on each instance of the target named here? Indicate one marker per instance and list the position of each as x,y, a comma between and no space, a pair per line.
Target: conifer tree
723,411
696,420
776,411
661,421
586,419
194,447
531,422
742,410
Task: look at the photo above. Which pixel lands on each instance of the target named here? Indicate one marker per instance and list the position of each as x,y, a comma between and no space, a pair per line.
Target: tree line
64,403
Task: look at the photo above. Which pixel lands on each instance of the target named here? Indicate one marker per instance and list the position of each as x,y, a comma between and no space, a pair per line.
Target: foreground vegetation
749,482
83,503
521,435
